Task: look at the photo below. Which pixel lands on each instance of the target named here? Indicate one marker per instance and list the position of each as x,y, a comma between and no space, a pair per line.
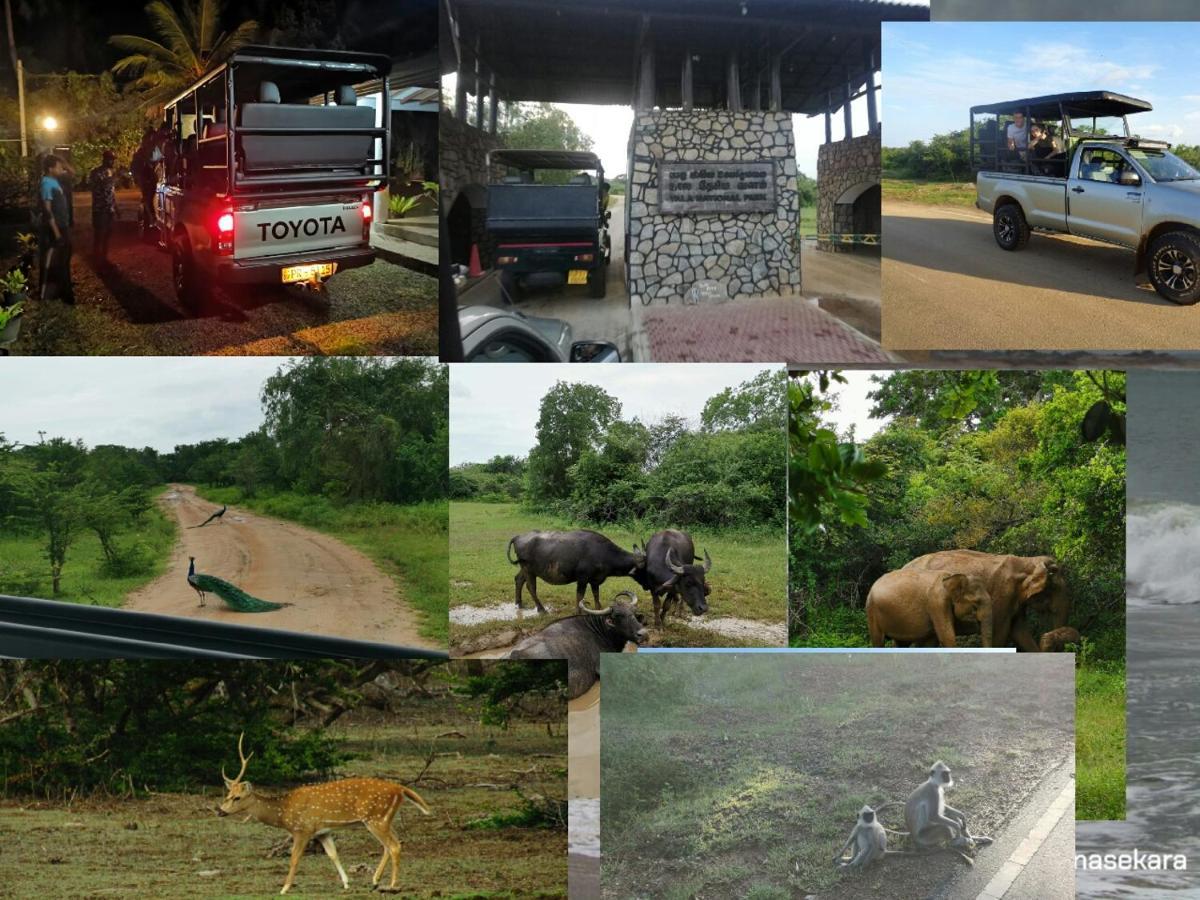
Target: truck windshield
1164,166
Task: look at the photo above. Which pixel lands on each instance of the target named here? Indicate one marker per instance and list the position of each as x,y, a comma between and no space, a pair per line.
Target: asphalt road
334,589
947,286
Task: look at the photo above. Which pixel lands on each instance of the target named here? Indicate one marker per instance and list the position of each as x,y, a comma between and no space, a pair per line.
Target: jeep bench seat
266,152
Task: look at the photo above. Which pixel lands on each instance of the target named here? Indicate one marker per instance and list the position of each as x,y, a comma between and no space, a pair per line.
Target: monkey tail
507,549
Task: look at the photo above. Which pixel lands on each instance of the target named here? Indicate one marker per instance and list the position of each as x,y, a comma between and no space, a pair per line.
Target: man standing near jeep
55,232
104,205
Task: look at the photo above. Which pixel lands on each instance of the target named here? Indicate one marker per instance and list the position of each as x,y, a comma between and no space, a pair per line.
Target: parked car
1098,181
261,186
547,214
492,334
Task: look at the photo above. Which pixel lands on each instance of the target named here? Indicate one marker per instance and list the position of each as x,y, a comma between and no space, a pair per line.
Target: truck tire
1009,227
188,289
1174,264
598,282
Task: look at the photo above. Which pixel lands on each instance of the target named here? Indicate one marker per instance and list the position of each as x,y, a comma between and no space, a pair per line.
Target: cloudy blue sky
494,409
933,72
136,401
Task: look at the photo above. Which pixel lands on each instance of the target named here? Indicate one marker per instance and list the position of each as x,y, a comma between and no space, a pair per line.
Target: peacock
217,515
234,597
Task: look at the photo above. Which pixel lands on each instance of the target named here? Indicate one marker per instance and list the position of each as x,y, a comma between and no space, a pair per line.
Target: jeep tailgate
278,230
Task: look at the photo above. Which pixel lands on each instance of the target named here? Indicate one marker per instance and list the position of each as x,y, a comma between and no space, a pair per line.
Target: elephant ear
954,581
1035,582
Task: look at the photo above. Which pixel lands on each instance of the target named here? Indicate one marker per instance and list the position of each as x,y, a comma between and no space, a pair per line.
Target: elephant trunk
986,635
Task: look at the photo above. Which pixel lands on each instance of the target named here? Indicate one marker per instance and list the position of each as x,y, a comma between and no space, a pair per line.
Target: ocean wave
1162,544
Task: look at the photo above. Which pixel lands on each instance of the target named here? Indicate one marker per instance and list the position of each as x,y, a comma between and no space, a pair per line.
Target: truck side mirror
1130,178
607,217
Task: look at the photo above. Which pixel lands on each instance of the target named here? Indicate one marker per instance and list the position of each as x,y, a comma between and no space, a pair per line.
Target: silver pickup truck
1100,183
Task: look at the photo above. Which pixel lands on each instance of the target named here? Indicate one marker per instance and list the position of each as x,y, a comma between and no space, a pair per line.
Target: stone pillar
845,170
750,253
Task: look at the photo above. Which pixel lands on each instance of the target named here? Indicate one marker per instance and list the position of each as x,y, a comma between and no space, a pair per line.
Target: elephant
1054,641
912,607
1016,584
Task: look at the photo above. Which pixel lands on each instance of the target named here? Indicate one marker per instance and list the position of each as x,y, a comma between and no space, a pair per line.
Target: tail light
224,233
505,260
584,257
367,214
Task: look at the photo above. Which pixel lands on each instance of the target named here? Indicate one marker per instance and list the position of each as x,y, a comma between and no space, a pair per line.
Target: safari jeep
1090,177
548,215
269,171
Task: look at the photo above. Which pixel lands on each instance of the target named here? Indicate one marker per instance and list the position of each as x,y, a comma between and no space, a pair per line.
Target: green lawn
406,542
1099,714
938,193
808,220
1099,744
748,577
25,571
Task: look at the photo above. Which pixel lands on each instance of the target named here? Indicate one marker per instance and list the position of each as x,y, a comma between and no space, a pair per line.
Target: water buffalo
581,639
671,573
562,557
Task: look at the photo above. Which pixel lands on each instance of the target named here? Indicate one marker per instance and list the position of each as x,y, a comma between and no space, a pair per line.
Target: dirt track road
946,285
336,590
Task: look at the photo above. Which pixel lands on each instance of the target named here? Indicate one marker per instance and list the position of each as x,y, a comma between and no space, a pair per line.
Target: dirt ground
335,589
129,307
174,846
753,777
946,285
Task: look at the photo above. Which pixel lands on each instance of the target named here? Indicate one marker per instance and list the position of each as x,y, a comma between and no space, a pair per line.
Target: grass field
173,845
808,220
1099,715
937,193
25,571
406,542
748,577
746,774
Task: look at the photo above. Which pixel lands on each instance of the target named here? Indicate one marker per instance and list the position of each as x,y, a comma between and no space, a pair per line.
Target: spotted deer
314,810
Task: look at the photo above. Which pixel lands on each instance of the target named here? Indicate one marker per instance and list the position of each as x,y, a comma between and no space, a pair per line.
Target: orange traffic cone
475,269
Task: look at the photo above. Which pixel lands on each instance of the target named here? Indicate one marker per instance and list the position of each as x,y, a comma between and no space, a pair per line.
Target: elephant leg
519,582
1023,637
943,626
876,629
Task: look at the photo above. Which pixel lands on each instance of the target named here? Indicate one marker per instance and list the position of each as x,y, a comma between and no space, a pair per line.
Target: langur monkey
868,839
931,822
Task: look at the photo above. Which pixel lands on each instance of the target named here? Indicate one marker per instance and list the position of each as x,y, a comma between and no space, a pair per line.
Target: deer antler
245,761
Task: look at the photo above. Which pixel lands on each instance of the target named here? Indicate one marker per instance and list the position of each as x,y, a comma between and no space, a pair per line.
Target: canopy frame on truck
546,159
986,142
292,178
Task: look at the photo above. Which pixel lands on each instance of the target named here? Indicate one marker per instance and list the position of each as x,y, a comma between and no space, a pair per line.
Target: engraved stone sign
687,187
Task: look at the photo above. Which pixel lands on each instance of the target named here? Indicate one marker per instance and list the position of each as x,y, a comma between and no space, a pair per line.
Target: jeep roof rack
1088,103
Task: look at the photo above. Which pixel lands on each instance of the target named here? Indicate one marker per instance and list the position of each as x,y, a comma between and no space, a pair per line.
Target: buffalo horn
676,568
631,595
707,562
595,612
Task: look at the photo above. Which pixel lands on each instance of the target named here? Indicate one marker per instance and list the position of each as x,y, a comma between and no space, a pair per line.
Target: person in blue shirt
54,239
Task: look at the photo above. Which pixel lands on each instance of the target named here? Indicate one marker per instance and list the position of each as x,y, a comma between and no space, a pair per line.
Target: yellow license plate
293,274
577,276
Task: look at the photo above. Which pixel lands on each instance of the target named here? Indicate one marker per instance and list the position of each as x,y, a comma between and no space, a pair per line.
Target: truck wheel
186,278
1009,227
510,284
1175,267
598,282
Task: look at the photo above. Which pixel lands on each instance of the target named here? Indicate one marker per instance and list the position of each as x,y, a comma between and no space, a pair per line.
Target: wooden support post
460,96
478,88
494,105
828,118
686,87
776,82
733,85
872,110
646,92
846,110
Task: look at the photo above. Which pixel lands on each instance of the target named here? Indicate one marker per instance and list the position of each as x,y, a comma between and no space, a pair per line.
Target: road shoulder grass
933,193
407,542
86,578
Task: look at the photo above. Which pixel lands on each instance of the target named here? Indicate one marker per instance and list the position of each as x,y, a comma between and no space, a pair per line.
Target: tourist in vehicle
1045,150
54,239
1017,135
102,181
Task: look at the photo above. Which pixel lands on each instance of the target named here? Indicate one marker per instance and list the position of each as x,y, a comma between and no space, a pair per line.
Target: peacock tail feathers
233,596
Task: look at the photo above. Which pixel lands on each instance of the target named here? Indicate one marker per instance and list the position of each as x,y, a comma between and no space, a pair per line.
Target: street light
49,123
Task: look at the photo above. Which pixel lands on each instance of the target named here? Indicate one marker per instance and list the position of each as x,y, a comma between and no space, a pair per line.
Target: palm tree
190,46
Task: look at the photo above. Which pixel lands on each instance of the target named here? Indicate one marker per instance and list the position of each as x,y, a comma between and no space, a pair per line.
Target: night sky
55,35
